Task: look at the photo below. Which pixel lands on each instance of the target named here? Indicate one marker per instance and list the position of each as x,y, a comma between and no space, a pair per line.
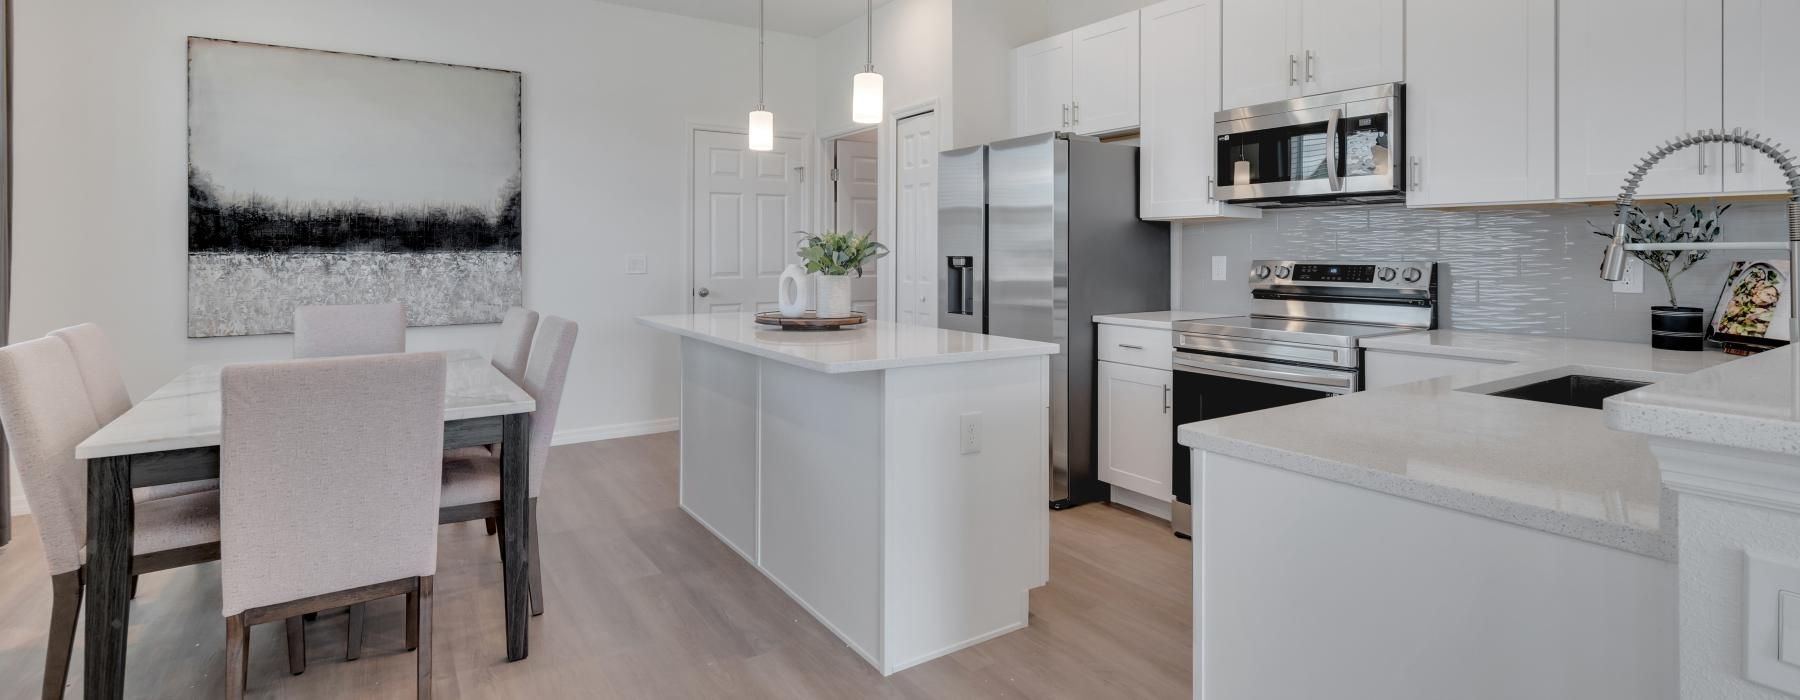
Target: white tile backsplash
1507,270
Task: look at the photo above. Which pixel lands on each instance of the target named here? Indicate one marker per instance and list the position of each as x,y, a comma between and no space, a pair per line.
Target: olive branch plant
1672,224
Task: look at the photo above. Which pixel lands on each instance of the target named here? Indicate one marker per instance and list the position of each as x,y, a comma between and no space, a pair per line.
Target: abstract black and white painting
317,177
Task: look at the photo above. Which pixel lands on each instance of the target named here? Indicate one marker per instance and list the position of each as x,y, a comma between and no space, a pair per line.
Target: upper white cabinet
1084,81
1633,74
1280,49
1042,85
1177,149
1480,102
1761,96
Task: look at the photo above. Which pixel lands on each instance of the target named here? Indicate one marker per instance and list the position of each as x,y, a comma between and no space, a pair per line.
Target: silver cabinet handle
704,292
1212,189
1077,112
1417,178
1310,58
1065,115
1131,347
1739,165
1165,398
1331,150
1293,70
1703,149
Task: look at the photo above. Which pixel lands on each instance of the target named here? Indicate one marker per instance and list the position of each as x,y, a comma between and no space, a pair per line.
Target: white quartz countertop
1557,469
1159,320
1753,403
875,345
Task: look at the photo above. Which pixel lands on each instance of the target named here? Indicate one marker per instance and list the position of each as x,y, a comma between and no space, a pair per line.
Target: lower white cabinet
1135,428
1382,368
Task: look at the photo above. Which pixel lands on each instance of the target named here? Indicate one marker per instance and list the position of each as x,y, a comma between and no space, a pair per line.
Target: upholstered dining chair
351,329
511,350
326,476
472,484
46,413
106,391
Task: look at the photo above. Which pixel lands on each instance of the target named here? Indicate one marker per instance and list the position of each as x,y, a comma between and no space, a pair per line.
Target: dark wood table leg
108,574
5,495
515,469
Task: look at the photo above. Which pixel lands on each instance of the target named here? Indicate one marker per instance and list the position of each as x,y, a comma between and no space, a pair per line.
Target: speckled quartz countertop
1753,404
1159,320
1445,442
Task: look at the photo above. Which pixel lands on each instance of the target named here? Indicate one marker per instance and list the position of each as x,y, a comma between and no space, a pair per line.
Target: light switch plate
1772,621
1219,267
637,264
1634,278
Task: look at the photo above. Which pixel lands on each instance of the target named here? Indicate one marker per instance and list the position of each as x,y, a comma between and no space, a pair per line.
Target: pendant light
865,90
762,122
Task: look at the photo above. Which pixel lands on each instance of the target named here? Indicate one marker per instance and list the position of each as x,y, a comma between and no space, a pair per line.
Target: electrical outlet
1219,266
970,428
637,264
1634,278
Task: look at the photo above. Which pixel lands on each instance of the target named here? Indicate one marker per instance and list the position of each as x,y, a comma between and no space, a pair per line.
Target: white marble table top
1753,404
185,412
875,345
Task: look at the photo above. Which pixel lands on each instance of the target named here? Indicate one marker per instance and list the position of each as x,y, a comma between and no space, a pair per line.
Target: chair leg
296,644
412,620
353,646
423,630
237,657
65,607
534,570
493,527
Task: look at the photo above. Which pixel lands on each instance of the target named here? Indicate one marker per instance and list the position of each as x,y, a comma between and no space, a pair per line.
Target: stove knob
1386,274
1261,272
1282,271
1412,275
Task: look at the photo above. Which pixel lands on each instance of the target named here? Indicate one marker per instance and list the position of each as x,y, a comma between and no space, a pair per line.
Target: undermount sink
1578,390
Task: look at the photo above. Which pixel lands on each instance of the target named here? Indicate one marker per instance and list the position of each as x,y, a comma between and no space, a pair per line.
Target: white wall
100,127
986,32
1070,14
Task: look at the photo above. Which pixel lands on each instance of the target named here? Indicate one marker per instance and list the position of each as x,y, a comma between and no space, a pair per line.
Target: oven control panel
1419,275
1316,272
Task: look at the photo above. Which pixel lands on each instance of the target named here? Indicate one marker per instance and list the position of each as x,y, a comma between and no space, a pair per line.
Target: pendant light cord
869,37
761,32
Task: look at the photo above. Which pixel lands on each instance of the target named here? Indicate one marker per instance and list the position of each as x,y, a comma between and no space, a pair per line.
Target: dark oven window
1201,397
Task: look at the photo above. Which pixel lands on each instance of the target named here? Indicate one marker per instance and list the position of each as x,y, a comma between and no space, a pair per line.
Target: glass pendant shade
762,130
865,98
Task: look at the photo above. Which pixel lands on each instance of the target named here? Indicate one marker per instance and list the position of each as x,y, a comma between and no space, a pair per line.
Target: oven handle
1301,377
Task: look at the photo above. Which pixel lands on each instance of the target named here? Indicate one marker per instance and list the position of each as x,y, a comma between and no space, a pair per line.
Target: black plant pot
1678,327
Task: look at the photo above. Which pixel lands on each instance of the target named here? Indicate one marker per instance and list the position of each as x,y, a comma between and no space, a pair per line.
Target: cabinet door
1106,75
1136,429
1480,102
1041,86
1633,74
1352,43
1261,52
1180,77
1760,93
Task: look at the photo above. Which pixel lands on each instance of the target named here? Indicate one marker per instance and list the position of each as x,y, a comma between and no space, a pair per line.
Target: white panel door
1353,43
1042,85
1761,95
1106,76
856,192
1481,102
916,242
1136,433
746,209
1633,74
1261,52
1180,79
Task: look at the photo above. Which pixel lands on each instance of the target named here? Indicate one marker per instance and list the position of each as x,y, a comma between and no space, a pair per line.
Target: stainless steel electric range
1299,343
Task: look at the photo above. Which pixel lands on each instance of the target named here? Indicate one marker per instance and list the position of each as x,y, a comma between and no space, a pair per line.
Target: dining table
173,436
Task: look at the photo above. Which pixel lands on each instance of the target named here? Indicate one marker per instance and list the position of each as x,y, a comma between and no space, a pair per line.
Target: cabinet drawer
1144,347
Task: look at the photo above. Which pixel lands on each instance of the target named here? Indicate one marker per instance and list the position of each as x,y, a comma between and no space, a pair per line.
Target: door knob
704,292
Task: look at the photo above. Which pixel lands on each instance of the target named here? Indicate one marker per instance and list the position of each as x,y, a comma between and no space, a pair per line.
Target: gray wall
1513,270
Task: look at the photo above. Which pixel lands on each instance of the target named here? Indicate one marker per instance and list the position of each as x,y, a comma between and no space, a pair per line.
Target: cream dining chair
46,413
327,476
352,329
511,351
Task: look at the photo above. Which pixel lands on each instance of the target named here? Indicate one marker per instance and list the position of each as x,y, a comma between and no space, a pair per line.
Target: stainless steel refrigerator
1037,235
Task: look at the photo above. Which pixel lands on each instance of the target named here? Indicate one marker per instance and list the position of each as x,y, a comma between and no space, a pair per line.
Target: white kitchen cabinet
1136,445
1106,76
1632,74
1176,145
1384,368
1280,49
1042,85
1760,94
1481,102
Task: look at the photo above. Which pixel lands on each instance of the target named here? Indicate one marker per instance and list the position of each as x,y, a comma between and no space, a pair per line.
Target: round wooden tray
811,321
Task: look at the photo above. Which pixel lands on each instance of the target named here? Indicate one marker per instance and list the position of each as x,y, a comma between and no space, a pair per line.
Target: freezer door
962,239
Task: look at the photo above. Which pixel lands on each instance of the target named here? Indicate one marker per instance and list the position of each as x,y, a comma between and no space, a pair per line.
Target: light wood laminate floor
644,603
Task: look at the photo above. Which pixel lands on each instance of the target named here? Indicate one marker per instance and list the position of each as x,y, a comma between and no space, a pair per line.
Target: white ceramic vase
793,293
833,295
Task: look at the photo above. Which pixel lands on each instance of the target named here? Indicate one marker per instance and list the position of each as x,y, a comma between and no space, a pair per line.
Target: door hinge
834,175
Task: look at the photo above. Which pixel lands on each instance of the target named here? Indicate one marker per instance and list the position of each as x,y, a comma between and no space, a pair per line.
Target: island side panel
718,442
1306,587
821,485
966,534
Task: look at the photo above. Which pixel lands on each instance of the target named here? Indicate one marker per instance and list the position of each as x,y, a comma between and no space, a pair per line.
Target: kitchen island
892,479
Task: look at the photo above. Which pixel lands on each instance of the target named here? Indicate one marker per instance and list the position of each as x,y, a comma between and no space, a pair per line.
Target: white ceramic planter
833,295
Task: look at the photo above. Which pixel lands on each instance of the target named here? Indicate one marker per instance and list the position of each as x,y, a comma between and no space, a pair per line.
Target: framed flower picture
1754,307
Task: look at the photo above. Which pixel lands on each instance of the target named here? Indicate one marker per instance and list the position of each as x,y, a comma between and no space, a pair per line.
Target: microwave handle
1331,150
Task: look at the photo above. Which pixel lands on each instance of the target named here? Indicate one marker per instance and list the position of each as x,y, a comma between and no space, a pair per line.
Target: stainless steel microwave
1336,148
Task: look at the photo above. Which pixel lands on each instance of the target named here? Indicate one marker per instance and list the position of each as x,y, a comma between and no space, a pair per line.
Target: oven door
1212,386
1309,148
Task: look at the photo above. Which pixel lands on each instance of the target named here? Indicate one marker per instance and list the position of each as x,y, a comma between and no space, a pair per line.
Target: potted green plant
1674,327
833,257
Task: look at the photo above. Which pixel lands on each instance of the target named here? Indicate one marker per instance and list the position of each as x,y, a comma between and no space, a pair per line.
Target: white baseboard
570,436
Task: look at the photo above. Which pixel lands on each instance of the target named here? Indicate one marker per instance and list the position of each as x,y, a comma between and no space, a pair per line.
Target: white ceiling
803,17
